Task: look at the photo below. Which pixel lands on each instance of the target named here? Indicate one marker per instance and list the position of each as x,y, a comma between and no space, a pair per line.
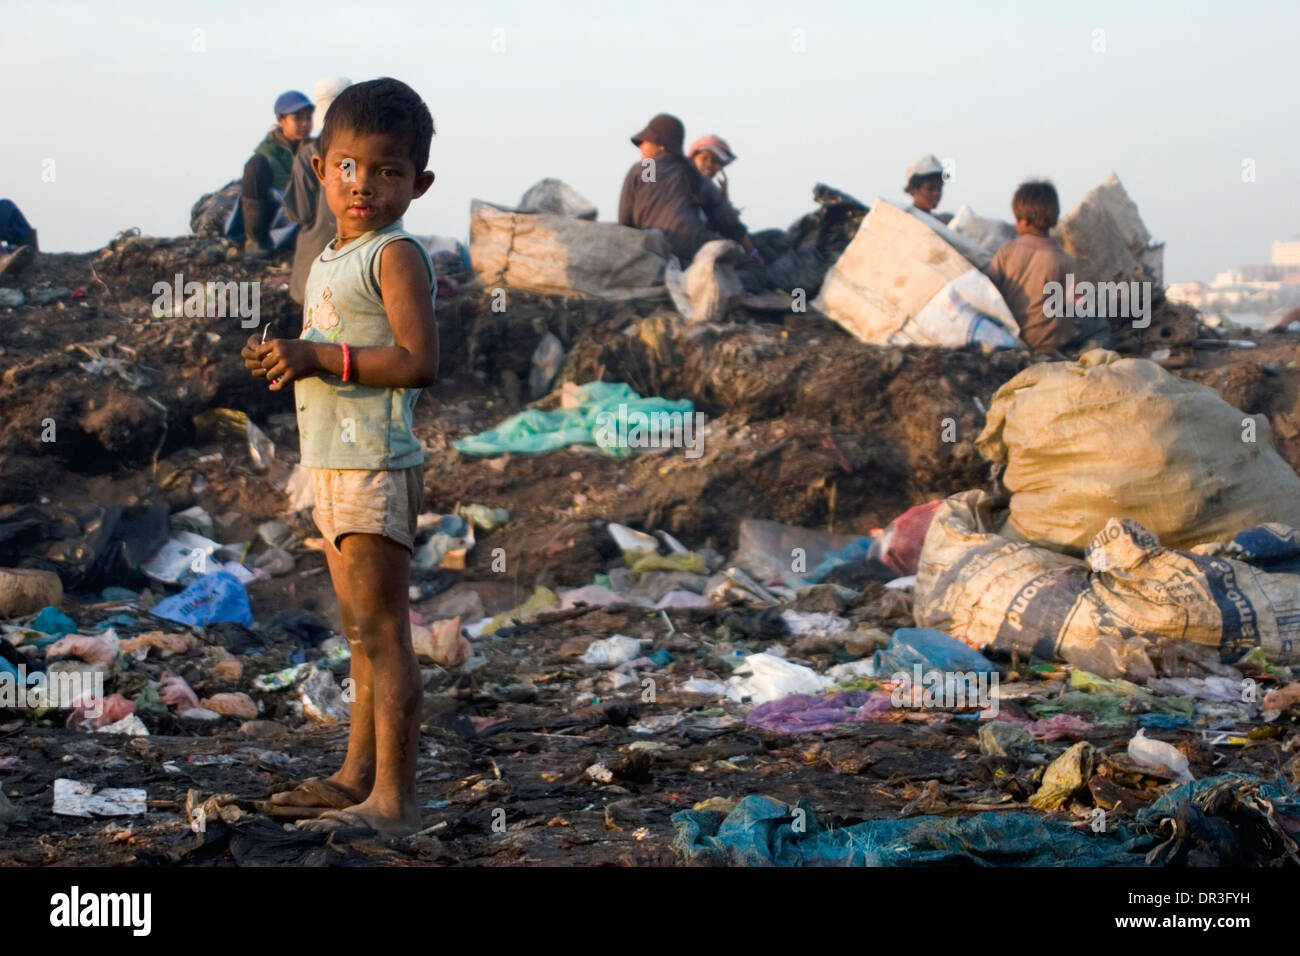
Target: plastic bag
770,678
933,650
548,359
212,598
1155,754
708,289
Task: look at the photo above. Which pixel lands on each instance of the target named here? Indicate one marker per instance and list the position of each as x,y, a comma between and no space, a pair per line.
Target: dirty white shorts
351,501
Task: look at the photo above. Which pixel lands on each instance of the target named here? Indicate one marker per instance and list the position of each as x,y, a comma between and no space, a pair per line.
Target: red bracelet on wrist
347,361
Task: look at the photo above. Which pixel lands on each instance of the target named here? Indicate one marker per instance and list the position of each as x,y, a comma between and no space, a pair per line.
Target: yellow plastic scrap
643,561
1066,774
222,421
1092,684
540,600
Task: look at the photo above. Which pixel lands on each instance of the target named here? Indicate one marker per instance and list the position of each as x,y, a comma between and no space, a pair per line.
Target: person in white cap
304,202
925,186
323,93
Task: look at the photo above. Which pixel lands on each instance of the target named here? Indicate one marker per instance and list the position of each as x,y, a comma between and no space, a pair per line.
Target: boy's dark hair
1035,202
382,106
916,182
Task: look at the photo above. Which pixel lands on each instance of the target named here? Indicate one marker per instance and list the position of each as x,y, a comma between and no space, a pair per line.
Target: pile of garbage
889,604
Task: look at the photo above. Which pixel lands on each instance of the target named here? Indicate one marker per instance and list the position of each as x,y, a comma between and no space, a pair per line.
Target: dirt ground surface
530,756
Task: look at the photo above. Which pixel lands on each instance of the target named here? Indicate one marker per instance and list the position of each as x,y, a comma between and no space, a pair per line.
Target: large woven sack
558,255
1109,437
904,281
1111,613
1108,239
24,590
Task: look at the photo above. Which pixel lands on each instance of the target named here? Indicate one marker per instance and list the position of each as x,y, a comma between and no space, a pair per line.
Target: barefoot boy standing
369,343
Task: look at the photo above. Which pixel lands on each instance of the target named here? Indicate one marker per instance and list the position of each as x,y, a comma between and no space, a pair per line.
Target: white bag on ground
558,198
1106,614
548,359
558,255
709,288
1107,237
901,282
1106,436
989,234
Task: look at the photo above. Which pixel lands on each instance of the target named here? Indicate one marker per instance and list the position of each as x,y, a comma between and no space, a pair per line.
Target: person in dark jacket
304,201
267,172
665,191
17,239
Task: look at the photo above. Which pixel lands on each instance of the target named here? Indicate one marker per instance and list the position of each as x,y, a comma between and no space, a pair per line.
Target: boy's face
651,150
927,195
296,126
707,163
369,180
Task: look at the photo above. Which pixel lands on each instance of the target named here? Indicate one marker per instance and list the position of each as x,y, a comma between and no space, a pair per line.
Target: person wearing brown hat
665,191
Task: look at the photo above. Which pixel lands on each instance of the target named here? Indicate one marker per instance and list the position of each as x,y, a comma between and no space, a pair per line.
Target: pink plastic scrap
1061,725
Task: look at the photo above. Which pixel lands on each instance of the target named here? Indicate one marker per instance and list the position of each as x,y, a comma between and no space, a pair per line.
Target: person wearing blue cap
267,172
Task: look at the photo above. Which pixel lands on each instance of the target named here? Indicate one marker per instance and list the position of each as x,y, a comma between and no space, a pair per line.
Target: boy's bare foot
362,818
314,795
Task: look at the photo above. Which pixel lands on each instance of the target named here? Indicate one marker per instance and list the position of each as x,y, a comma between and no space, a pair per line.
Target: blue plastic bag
856,552
53,621
217,596
933,650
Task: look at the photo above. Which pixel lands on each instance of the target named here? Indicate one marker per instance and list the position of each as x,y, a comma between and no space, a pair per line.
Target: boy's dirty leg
357,775
375,580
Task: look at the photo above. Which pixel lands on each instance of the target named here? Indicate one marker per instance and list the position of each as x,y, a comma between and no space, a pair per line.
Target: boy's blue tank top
346,425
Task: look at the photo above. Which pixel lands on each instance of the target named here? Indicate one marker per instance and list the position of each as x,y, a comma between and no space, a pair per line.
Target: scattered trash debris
616,649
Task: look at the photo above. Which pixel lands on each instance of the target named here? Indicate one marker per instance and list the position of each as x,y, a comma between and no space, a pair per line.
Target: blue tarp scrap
765,832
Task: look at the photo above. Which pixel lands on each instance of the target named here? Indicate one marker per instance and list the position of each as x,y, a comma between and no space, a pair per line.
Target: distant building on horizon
1286,253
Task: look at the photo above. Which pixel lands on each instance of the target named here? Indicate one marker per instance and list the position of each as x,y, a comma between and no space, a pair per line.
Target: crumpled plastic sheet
595,421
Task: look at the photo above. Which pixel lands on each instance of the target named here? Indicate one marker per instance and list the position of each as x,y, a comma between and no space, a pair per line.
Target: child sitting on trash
369,344
1025,267
925,186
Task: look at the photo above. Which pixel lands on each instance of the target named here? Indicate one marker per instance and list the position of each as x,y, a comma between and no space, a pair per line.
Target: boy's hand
285,360
249,354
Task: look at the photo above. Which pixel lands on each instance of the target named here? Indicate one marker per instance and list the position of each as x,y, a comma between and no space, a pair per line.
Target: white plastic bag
770,678
1154,754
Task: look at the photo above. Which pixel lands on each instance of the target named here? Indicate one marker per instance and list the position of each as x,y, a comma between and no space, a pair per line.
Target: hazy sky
139,124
